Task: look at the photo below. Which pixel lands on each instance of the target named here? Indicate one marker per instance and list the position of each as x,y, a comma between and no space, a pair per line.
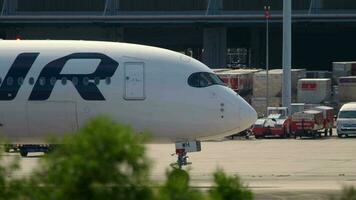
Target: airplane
55,86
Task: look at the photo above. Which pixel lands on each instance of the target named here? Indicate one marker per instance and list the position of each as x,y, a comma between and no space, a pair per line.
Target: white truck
346,120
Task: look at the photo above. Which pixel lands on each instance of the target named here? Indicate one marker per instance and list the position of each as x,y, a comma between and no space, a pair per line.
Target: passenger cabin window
31,81
204,79
53,80
108,80
75,80
64,80
20,81
10,81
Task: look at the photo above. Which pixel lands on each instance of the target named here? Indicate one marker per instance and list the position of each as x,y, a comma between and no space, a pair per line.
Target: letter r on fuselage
87,90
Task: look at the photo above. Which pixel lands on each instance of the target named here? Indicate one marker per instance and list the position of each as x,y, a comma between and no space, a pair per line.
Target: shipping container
240,80
314,91
341,69
347,89
275,82
319,74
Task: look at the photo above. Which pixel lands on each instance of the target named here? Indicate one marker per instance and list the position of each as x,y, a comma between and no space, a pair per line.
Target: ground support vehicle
24,149
328,118
346,120
307,123
277,123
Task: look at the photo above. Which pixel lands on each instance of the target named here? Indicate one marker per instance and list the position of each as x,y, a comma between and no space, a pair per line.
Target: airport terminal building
217,32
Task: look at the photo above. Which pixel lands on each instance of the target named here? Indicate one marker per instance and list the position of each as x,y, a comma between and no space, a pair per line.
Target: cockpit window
204,79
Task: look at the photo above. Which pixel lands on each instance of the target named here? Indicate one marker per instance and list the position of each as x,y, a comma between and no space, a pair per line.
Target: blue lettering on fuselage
52,71
19,69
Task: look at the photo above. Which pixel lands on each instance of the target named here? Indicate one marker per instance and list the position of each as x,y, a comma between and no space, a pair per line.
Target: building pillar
315,6
8,7
255,48
214,44
214,7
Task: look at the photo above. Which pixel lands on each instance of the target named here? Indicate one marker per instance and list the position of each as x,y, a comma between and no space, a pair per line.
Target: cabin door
51,118
134,81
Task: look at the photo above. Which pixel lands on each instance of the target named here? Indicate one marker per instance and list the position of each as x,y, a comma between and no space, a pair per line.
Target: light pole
287,53
267,15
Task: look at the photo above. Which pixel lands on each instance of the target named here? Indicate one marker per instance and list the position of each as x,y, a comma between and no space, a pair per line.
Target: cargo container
275,82
240,80
341,69
314,91
259,104
347,89
319,74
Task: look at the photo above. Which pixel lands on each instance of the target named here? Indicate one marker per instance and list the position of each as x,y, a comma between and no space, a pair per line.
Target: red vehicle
276,124
328,117
307,123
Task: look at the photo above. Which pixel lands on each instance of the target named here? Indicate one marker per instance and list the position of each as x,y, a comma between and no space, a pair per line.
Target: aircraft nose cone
248,115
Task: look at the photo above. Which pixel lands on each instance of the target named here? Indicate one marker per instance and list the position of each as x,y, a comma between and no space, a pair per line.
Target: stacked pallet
274,88
347,89
240,80
341,69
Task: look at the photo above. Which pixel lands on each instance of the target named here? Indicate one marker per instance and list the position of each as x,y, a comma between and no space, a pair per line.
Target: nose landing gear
182,149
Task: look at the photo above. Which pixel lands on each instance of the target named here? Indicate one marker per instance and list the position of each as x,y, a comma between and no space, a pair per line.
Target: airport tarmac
272,168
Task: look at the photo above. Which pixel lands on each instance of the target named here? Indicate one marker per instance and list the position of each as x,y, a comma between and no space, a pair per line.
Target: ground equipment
276,124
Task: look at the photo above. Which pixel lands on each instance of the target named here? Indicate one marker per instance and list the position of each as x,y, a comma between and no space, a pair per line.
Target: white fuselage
54,87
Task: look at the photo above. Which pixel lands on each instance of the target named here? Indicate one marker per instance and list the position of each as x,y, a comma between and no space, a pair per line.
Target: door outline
126,64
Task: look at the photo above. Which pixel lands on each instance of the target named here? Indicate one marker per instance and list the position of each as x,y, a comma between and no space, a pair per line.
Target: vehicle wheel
331,132
346,135
339,135
258,137
314,135
23,153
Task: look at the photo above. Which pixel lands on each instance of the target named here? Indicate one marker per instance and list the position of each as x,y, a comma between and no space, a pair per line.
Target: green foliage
104,160
10,188
177,187
228,188
348,193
